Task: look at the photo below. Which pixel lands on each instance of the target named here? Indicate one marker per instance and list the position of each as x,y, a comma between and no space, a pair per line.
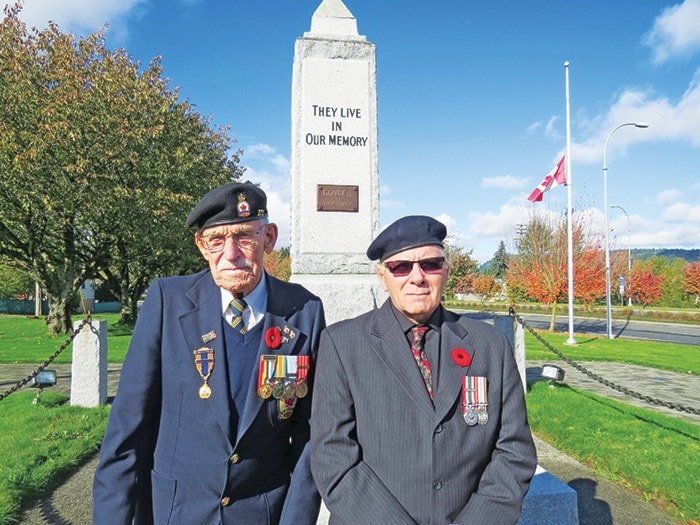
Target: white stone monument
335,182
88,386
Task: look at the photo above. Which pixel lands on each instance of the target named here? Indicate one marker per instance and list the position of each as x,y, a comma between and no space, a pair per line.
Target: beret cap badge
229,204
243,206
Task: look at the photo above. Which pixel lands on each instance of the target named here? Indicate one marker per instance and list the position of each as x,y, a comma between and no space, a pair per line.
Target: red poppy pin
273,337
461,357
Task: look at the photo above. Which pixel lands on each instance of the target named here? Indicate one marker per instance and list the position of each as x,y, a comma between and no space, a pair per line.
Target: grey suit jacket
383,453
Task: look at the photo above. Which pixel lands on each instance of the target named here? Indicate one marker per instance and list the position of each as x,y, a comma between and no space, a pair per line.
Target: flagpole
569,219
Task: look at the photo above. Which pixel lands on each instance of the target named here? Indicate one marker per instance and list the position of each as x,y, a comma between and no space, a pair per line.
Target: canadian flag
556,177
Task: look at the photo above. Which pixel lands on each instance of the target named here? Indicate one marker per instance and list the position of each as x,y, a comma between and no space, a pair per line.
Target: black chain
596,377
21,383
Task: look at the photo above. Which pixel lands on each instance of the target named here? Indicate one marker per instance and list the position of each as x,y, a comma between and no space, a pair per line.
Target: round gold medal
265,391
302,389
204,391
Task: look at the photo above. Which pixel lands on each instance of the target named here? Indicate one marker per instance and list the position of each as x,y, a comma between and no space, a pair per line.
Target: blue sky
471,102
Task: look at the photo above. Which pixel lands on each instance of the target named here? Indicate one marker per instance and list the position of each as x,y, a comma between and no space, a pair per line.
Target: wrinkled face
417,293
235,253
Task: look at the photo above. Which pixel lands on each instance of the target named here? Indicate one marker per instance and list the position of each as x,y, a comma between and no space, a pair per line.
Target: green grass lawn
649,453
26,340
664,356
41,444
652,454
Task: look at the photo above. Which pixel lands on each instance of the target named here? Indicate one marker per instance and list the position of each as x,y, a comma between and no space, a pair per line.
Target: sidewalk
600,501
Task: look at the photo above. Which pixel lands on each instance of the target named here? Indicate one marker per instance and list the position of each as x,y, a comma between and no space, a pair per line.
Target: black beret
231,203
407,232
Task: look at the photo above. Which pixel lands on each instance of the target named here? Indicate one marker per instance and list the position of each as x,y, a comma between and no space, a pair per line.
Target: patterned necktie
237,306
421,359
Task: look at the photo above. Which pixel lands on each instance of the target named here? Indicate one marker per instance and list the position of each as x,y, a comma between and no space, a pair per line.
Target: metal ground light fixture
552,373
608,308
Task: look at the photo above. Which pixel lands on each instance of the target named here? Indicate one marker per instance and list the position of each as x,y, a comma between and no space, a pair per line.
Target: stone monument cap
333,18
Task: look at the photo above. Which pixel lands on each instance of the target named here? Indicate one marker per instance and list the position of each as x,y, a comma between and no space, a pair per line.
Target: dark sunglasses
403,268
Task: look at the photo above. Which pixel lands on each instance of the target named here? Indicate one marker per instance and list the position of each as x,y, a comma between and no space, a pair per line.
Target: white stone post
88,387
335,183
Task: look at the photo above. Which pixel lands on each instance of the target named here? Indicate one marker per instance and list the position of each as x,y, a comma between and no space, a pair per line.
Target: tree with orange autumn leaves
691,280
645,286
540,269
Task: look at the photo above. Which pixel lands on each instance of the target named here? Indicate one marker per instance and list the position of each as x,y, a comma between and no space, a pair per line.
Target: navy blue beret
228,204
407,232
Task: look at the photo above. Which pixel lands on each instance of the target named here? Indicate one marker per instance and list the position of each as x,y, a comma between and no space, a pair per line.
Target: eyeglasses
216,242
403,268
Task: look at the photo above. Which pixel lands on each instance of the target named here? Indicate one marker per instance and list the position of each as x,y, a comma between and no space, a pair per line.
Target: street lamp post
629,247
607,226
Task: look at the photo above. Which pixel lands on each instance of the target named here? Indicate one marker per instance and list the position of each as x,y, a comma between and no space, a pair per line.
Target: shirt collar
256,304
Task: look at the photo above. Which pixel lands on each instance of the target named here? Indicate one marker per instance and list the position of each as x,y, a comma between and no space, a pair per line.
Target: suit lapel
278,311
202,327
454,335
392,348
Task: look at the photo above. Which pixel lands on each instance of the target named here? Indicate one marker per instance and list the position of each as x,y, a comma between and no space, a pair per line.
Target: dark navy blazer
169,456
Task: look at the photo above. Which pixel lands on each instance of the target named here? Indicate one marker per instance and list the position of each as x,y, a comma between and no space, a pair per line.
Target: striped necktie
237,306
421,358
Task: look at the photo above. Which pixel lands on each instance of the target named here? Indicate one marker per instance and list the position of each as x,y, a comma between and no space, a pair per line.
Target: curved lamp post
629,246
609,333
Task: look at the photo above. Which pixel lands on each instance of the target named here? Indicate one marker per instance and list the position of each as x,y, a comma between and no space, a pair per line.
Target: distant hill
642,254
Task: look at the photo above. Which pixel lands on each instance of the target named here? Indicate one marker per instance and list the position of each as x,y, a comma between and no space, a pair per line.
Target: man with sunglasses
418,414
210,424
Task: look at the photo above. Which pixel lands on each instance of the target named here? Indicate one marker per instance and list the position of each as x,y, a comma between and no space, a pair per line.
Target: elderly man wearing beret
418,414
210,424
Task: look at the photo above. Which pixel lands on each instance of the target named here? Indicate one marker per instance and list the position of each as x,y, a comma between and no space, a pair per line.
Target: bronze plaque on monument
337,198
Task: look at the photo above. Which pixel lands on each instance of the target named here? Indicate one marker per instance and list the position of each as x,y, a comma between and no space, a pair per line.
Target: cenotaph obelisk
335,182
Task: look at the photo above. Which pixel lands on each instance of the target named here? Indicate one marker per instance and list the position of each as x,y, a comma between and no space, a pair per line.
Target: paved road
601,502
632,329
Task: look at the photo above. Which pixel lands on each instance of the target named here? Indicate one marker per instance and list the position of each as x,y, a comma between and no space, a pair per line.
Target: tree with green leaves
99,165
462,267
498,266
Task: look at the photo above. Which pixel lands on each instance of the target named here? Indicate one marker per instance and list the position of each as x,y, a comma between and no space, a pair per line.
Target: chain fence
42,367
598,378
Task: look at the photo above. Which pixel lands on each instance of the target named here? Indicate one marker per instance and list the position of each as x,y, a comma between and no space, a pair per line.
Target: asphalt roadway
600,502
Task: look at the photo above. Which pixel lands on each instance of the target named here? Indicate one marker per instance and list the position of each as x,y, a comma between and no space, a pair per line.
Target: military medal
204,363
470,417
302,387
286,407
278,384
265,373
475,400
290,375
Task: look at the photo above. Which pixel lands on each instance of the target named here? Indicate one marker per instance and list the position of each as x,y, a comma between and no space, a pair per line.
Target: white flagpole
569,219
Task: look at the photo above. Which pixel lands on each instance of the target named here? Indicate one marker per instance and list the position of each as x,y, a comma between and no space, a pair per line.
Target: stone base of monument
549,501
344,295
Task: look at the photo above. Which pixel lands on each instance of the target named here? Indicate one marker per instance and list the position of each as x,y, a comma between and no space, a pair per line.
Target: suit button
437,485
225,501
234,458
438,429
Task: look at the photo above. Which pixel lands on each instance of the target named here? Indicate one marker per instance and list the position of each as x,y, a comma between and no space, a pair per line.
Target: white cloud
682,212
81,17
550,130
667,121
668,196
675,32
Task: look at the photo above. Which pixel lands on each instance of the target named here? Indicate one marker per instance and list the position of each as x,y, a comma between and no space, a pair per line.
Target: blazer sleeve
505,481
122,476
350,489
302,503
